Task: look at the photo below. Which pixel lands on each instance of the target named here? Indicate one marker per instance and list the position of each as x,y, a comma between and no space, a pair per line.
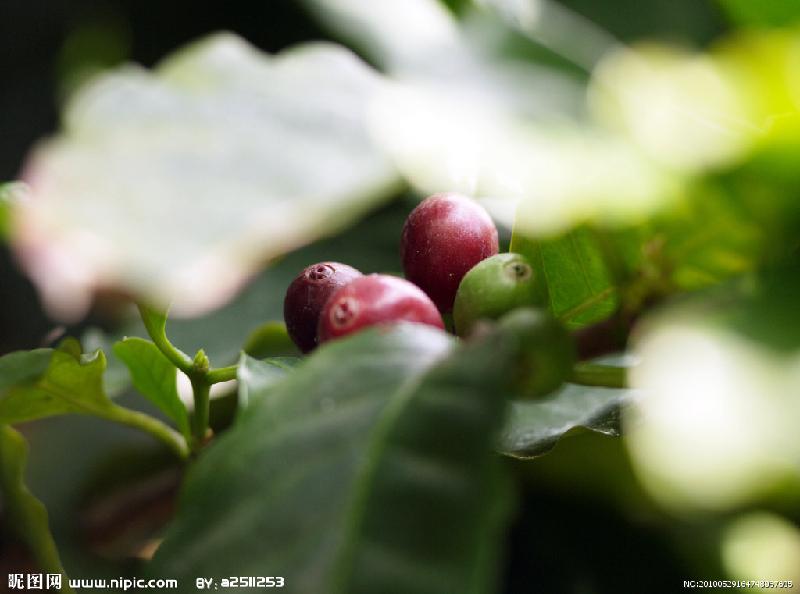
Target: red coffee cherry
306,297
375,299
443,238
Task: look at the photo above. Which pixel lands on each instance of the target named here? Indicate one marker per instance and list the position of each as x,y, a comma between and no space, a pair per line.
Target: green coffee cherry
549,352
494,287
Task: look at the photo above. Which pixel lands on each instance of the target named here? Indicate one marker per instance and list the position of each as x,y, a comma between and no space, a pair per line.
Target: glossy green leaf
772,13
249,155
578,280
155,377
24,512
533,427
367,469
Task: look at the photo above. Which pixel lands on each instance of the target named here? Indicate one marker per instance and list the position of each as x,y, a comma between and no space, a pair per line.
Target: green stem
159,336
151,425
222,374
26,514
202,391
592,374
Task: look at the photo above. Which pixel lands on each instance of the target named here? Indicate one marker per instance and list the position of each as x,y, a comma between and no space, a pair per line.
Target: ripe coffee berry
443,238
494,287
375,299
306,297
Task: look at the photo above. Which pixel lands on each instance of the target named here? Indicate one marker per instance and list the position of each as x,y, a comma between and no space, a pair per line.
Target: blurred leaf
394,34
377,451
771,13
10,195
580,286
22,509
710,236
90,48
533,427
155,377
179,184
501,129
717,428
688,22
256,377
270,340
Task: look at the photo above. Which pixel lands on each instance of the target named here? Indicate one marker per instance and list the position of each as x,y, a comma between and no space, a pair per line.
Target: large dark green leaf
26,514
580,285
367,469
155,377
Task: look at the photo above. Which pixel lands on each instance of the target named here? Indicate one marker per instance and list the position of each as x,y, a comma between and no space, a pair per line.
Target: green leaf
771,13
155,377
580,285
47,382
533,427
23,510
367,469
22,367
251,155
68,384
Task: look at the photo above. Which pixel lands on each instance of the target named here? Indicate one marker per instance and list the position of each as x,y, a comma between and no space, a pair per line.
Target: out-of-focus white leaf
506,132
177,184
393,32
542,178
761,543
716,425
679,108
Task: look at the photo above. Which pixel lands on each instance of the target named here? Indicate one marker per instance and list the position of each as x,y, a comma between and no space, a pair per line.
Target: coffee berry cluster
449,250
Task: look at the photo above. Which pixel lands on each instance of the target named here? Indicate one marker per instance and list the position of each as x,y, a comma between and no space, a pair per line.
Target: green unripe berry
495,286
549,352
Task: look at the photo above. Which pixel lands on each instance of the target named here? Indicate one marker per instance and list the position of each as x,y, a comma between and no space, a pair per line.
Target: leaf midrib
377,444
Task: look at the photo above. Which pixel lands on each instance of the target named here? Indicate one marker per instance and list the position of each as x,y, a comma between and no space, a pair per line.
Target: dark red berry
306,297
375,299
443,238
